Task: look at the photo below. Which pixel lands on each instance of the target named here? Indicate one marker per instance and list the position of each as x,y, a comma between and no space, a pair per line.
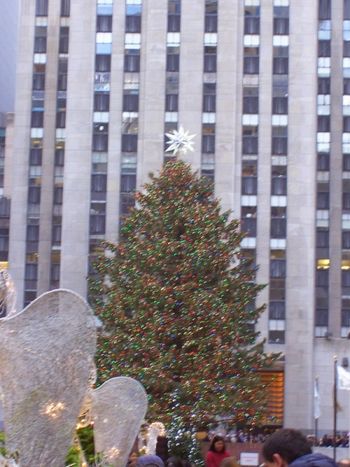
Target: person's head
174,462
133,459
149,461
217,444
284,446
229,462
344,463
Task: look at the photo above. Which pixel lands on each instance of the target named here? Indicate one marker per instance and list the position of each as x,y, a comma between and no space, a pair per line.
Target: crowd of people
283,448
341,440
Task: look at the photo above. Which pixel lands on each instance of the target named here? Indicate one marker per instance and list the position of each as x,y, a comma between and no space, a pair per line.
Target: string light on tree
180,141
179,306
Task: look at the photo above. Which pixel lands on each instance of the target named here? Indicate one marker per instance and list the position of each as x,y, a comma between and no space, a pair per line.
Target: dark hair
289,444
214,440
174,462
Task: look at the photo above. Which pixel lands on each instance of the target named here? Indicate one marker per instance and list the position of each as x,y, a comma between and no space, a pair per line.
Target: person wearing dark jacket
289,447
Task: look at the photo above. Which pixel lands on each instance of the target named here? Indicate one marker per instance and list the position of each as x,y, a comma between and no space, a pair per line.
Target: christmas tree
178,304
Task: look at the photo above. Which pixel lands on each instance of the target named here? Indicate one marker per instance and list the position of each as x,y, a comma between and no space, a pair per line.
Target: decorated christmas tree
177,302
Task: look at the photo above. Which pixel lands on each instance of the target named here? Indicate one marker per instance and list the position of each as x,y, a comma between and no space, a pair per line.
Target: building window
132,61
345,318
208,144
324,86
280,60
99,183
248,221
133,22
174,23
174,18
58,195
278,228
323,200
128,182
61,119
324,9
277,268
98,223
130,101
39,77
211,16
65,7
252,20
40,39
323,123
251,60
37,119
171,102
250,100
101,102
346,201
59,157
35,157
173,60
56,234
100,137
103,63
64,40
34,195
249,178
280,105
277,310
104,23
209,59
321,318
346,9
62,74
279,180
279,140
250,140
322,238
323,161
324,48
129,143
281,26
41,8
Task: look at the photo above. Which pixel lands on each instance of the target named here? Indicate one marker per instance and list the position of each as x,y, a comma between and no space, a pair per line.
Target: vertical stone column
48,160
336,171
228,105
77,167
191,74
152,89
264,160
18,221
301,215
115,118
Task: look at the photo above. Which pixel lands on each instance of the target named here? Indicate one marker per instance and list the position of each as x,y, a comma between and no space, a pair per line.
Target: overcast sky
8,35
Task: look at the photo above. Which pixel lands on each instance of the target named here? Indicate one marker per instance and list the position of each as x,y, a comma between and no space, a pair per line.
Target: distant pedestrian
217,452
289,447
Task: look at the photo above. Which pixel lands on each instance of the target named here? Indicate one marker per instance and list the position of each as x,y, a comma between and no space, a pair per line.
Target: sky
8,40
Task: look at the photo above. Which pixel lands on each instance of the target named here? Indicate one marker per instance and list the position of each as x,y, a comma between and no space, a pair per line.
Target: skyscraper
264,85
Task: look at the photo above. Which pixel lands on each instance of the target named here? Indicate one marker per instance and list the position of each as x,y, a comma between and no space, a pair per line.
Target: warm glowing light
323,263
159,427
112,453
53,409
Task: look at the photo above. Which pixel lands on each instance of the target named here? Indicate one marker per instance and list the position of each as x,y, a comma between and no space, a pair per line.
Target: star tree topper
180,141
